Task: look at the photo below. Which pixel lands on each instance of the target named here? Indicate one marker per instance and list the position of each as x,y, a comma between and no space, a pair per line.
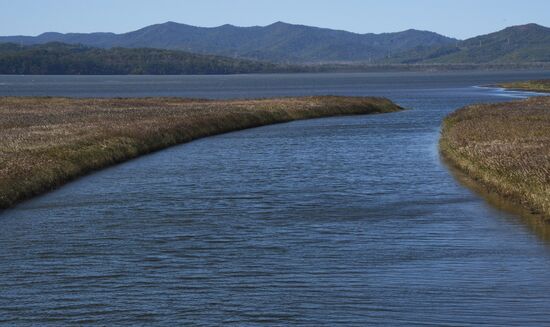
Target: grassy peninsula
45,142
533,86
506,147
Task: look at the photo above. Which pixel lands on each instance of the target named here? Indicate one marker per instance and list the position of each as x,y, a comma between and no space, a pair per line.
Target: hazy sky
457,18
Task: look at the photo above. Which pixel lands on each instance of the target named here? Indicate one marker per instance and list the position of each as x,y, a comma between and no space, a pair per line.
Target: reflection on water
339,221
538,224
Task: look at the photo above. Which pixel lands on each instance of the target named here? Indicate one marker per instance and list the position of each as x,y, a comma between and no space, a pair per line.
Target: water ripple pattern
348,221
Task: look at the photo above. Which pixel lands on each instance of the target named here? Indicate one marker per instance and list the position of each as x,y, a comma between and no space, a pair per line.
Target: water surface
337,221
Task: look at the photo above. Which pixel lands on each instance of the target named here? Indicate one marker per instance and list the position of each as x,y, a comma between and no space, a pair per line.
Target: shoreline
540,86
504,148
343,69
48,141
535,222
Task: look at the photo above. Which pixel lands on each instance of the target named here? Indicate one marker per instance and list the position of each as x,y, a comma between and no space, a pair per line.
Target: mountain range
278,42
516,44
298,44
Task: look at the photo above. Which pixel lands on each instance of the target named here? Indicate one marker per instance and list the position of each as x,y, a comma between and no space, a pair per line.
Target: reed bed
506,147
45,142
534,86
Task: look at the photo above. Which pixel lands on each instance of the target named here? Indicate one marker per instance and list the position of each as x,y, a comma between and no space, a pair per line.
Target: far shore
46,142
542,86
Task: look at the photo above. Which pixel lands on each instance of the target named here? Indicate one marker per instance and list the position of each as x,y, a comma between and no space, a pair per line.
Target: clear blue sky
457,18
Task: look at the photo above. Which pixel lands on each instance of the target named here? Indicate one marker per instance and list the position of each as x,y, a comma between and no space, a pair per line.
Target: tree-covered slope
516,44
278,42
58,58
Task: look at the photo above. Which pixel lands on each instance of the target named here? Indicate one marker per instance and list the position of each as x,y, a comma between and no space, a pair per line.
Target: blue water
348,221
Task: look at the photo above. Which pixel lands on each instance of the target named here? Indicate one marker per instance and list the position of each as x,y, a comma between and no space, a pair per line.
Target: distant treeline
421,67
64,59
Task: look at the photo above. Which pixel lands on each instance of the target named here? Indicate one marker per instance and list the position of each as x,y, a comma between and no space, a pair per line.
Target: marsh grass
534,86
45,142
505,147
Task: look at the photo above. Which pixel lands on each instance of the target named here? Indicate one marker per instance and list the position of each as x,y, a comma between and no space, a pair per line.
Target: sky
460,19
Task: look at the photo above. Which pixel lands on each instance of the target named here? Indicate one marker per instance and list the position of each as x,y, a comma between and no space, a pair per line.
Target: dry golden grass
45,142
534,86
506,147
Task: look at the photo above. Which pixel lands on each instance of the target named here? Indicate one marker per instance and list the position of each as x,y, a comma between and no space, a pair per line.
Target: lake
337,221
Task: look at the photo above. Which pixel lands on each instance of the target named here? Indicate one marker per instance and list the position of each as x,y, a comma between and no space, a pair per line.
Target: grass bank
533,86
45,142
505,147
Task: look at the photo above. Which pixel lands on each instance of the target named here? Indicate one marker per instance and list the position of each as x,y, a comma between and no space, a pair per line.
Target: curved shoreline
47,142
541,86
505,148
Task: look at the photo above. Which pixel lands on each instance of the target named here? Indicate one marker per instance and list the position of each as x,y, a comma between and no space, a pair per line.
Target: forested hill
64,59
278,42
516,44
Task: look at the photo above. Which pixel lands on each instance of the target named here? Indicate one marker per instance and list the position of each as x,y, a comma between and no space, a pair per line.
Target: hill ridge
277,42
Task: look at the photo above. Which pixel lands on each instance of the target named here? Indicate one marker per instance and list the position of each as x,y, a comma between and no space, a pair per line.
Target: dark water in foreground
339,221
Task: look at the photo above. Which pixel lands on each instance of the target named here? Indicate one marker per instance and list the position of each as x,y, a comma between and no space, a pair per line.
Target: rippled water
338,221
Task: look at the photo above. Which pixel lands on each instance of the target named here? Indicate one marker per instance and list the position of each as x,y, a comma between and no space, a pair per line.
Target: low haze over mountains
298,44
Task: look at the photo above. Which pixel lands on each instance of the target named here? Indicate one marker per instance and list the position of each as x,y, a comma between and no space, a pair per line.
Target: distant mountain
516,44
278,42
299,44
64,59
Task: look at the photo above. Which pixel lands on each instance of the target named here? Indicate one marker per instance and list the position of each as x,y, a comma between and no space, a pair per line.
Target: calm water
339,221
